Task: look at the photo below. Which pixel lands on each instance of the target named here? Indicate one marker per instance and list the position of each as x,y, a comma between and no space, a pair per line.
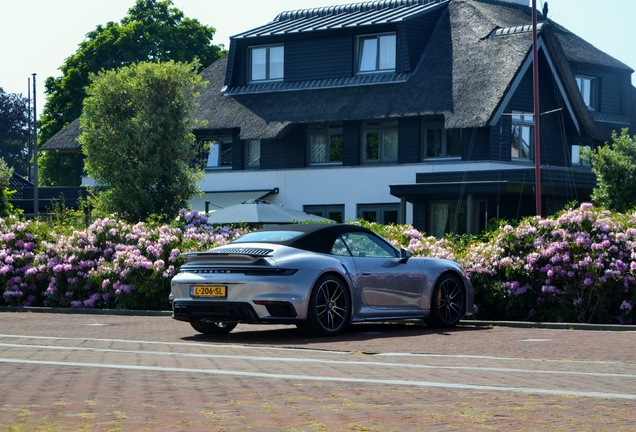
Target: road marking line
272,348
193,344
332,379
321,361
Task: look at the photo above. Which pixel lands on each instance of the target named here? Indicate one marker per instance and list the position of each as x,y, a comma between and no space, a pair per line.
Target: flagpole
36,201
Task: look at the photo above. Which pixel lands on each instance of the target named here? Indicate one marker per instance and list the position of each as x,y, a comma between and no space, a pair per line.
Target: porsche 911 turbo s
320,277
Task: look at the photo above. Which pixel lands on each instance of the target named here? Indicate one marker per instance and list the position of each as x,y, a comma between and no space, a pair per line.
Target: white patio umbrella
261,212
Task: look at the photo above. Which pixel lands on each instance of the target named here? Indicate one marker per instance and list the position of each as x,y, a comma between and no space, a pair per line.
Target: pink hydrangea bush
110,264
575,267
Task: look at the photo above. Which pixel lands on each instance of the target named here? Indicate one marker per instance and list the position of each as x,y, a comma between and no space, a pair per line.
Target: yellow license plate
208,291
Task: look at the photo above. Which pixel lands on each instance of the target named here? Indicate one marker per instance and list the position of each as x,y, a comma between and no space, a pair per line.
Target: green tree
14,131
138,141
5,194
152,30
615,167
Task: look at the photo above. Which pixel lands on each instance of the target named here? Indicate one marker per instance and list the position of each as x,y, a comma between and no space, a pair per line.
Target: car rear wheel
212,328
448,302
329,307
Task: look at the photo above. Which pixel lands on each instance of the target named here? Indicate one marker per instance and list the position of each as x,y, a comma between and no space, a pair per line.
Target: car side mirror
405,254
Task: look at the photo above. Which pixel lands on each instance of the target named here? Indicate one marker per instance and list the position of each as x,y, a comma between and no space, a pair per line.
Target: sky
36,36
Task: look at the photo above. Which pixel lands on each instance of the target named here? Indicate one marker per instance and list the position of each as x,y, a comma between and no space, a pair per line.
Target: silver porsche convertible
320,277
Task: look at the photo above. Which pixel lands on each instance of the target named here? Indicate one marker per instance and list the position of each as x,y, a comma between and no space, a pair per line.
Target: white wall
334,185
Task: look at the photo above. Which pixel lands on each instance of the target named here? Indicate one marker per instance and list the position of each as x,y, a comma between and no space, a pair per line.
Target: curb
465,323
85,311
549,325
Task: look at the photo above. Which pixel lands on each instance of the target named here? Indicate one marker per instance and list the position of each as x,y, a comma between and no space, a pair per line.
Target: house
409,111
48,197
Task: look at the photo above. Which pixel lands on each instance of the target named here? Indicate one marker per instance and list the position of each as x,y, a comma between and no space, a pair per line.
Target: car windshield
268,236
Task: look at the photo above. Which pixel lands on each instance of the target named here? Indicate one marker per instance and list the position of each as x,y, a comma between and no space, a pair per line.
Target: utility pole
537,123
30,129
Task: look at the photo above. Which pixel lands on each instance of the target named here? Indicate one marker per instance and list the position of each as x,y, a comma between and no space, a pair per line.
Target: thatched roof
66,139
463,74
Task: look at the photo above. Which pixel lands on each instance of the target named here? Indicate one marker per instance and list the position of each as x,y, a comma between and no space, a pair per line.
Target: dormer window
377,53
267,63
588,88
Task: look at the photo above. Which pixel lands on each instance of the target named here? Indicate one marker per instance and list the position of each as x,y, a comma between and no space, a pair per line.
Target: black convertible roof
317,238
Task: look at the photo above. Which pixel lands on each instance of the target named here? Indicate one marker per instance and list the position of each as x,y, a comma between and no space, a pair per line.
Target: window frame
453,211
360,44
443,138
380,209
221,142
330,132
364,245
523,122
248,147
326,211
592,87
382,128
575,156
268,64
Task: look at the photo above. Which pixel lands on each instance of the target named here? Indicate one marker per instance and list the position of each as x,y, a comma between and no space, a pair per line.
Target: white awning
223,199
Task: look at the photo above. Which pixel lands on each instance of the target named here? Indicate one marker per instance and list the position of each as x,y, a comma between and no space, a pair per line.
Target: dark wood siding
239,68
417,33
475,144
351,144
320,58
420,211
314,56
608,88
238,151
403,63
287,152
555,149
409,140
230,72
556,177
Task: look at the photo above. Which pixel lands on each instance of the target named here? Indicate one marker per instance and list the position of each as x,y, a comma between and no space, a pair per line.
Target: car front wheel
329,307
212,328
448,302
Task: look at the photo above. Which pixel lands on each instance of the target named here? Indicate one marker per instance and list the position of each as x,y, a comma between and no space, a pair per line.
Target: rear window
268,236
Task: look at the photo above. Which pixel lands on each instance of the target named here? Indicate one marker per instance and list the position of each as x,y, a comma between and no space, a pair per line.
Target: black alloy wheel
212,328
448,302
329,307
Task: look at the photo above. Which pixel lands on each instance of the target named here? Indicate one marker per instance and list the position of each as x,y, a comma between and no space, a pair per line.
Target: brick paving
47,391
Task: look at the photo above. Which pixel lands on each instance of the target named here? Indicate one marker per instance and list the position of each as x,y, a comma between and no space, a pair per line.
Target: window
521,147
367,245
253,153
325,145
460,217
376,53
220,153
380,141
333,212
267,63
442,143
381,213
588,89
578,158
